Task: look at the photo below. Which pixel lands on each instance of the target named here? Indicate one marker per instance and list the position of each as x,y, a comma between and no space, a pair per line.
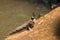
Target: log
46,27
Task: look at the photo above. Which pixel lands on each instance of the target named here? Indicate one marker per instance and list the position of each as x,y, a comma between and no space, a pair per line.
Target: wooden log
45,28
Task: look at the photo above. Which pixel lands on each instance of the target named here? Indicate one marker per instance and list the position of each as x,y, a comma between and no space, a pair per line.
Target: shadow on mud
57,31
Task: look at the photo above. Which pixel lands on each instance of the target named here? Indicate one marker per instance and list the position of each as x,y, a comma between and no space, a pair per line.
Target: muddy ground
13,13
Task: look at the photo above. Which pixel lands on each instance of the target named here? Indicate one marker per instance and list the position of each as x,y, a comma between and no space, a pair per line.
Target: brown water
13,13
